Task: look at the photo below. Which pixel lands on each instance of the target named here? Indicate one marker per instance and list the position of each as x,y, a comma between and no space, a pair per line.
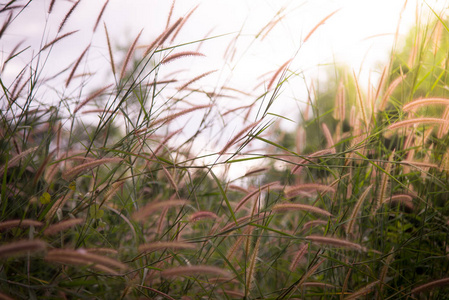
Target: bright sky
361,33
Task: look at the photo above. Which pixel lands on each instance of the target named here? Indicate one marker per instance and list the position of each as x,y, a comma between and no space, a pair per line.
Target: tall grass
126,208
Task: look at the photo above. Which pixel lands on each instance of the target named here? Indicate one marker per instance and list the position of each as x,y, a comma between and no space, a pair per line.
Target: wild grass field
126,208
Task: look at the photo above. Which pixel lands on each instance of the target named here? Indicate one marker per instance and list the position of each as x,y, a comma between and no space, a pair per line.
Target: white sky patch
360,34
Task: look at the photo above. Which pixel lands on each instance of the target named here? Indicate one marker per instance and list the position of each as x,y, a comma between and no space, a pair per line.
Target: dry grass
251,268
67,16
363,291
195,270
402,200
286,207
91,97
236,138
63,225
180,55
5,225
58,39
384,271
156,291
276,74
311,270
145,211
355,211
413,105
417,121
255,171
111,56
384,181
163,37
335,242
273,186
309,157
129,55
430,285
58,204
293,191
82,257
179,114
200,215
174,245
188,83
14,161
318,25
23,247
389,92
299,254
100,15
75,66
70,174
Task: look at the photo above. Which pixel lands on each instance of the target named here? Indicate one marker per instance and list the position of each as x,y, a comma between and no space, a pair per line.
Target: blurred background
360,35
245,41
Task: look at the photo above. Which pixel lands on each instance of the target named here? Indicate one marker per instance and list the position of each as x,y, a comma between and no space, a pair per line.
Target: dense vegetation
125,208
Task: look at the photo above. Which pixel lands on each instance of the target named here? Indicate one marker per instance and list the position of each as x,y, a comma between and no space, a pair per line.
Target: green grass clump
125,207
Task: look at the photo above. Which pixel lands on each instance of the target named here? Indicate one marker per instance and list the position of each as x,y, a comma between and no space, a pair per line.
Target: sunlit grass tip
293,191
238,136
269,186
287,207
424,102
181,55
417,121
201,215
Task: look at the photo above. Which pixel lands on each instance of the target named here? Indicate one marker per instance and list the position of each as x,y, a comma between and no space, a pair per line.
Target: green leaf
45,198
72,185
223,193
279,116
95,211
